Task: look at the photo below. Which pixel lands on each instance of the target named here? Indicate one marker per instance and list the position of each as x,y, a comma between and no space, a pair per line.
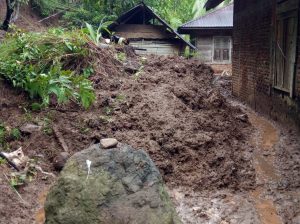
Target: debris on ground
15,158
122,186
169,106
30,128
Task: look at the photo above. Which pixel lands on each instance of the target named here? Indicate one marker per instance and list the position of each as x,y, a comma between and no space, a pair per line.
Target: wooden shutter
226,55
217,55
285,47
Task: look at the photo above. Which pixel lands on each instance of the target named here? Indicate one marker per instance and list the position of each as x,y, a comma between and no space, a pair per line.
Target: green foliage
48,7
121,98
7,134
79,16
21,178
47,126
17,180
96,35
121,56
2,161
138,74
108,110
2,134
45,65
93,11
199,10
15,134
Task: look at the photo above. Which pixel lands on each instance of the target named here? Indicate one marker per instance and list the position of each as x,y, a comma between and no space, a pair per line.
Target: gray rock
60,161
131,67
30,128
108,143
123,186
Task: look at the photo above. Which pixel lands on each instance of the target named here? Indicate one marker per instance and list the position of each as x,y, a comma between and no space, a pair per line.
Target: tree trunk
16,12
9,13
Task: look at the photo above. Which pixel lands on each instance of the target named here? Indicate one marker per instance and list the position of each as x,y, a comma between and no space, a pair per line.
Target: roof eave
183,30
206,28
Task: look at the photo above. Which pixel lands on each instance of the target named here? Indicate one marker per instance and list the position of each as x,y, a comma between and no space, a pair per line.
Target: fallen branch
50,16
9,161
60,138
15,190
43,172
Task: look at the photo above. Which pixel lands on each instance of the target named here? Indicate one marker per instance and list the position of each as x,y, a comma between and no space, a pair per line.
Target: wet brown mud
265,139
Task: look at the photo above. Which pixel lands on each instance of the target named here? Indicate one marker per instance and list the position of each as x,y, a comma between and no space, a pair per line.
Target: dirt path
265,140
270,202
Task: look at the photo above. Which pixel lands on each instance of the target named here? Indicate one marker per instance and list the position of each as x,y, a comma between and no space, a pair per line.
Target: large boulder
123,186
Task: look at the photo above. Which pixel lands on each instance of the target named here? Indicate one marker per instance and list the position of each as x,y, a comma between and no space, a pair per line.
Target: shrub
48,64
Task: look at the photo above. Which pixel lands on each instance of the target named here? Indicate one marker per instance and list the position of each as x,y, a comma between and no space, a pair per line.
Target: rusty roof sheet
220,18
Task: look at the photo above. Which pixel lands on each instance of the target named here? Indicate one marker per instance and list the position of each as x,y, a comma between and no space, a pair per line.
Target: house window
285,47
222,49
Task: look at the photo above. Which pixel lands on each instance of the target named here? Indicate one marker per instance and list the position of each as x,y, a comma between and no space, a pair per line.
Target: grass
49,65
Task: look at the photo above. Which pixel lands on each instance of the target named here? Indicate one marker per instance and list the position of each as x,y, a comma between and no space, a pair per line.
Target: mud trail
264,167
275,199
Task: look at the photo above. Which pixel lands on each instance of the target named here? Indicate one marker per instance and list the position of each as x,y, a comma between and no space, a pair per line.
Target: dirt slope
169,108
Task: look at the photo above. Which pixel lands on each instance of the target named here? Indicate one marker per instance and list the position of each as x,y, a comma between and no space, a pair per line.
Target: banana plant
96,35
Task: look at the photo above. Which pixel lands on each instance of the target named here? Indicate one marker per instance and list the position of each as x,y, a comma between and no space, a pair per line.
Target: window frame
284,10
221,53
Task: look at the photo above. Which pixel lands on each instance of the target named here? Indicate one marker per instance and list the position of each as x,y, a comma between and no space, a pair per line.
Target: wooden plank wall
135,31
156,47
205,48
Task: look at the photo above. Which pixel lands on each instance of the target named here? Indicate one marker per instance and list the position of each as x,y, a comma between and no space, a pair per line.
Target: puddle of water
266,209
265,169
269,134
40,217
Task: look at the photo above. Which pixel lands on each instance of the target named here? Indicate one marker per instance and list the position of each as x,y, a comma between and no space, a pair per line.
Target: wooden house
148,32
212,35
266,56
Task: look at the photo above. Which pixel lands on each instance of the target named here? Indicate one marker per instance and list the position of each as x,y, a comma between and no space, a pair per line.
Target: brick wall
251,64
298,60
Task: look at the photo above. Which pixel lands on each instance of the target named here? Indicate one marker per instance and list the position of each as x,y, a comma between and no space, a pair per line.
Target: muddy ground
215,155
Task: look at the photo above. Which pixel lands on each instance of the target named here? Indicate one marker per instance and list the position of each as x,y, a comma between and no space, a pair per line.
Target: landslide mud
167,106
173,112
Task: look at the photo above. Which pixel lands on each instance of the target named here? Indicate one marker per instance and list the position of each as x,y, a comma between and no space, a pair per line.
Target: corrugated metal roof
219,18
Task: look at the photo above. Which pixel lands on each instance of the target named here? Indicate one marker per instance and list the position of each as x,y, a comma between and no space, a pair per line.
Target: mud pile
171,109
165,105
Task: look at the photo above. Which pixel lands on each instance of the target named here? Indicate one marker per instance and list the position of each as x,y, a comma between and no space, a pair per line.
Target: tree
10,4
12,12
199,10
